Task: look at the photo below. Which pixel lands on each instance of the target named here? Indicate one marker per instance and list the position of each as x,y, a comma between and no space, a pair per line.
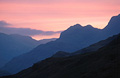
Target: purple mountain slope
74,38
15,45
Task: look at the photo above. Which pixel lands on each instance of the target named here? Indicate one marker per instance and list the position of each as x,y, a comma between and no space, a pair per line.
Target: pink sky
57,15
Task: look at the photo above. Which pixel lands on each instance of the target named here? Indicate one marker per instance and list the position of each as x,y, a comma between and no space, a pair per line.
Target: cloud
4,24
4,28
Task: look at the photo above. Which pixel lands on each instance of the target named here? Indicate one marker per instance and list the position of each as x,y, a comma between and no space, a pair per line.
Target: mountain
74,38
61,54
67,42
82,36
44,41
14,45
93,47
113,26
4,73
102,63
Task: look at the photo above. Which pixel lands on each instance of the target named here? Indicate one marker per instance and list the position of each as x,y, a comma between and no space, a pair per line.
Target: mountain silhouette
61,54
81,36
102,63
91,48
44,41
74,38
14,45
69,41
113,26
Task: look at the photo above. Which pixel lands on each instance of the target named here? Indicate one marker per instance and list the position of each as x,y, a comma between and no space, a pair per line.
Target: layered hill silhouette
74,38
91,48
103,63
14,45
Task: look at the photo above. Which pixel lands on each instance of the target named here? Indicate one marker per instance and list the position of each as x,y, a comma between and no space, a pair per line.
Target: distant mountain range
91,48
74,38
102,63
14,45
44,41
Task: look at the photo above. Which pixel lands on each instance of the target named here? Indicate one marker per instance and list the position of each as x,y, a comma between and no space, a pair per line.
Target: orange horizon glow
57,15
40,37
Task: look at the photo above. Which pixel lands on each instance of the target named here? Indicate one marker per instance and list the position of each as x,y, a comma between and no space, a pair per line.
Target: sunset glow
57,15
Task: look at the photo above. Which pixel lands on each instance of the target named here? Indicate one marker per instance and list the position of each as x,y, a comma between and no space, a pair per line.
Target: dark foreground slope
67,42
74,38
103,63
4,73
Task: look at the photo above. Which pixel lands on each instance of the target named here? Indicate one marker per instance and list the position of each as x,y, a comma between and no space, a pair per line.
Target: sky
42,19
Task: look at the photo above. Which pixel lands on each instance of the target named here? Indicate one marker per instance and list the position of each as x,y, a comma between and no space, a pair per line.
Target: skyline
56,15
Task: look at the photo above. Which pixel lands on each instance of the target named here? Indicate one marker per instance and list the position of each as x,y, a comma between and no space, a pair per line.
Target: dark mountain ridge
102,63
91,48
74,38
46,50
113,26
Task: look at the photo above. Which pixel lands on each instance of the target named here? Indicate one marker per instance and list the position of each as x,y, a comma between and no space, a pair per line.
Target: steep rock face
74,38
103,63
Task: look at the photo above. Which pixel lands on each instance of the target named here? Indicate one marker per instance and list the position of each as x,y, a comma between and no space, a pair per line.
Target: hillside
93,47
14,45
74,38
102,63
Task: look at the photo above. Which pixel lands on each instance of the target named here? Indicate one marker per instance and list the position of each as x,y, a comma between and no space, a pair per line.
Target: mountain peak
113,26
74,27
89,26
114,23
119,15
77,25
